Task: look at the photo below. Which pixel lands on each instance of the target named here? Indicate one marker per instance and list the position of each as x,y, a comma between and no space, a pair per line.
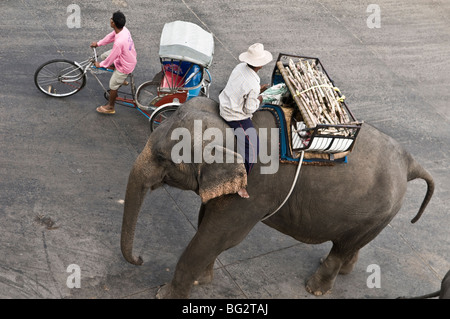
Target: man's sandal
102,110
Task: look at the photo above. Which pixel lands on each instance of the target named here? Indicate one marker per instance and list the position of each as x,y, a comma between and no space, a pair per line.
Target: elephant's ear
221,177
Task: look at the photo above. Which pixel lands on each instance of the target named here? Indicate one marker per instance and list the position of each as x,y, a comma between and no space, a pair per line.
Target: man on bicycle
122,56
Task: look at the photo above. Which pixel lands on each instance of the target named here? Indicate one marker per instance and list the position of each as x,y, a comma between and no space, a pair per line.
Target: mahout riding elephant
348,204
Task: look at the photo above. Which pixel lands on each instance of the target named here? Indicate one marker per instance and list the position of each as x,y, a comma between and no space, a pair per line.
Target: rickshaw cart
185,52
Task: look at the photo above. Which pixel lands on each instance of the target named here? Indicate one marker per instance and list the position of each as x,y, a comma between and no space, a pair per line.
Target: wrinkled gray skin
348,204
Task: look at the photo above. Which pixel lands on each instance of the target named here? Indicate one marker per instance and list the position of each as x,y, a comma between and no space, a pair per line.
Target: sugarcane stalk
333,106
312,107
314,94
316,103
306,102
307,118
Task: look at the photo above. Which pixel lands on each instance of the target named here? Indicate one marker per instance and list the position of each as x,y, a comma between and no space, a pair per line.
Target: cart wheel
206,84
205,90
106,95
146,94
160,115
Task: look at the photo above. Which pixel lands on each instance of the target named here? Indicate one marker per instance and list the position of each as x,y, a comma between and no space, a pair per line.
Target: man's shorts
117,80
117,77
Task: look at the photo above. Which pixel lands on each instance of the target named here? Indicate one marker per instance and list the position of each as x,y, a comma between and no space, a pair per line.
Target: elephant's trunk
138,186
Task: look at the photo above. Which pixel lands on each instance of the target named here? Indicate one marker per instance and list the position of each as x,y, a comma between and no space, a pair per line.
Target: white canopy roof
186,41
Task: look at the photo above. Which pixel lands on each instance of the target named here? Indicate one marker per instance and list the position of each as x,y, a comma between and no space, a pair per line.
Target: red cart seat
172,80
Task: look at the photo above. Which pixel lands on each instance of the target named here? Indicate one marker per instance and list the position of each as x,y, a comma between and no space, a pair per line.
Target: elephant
348,204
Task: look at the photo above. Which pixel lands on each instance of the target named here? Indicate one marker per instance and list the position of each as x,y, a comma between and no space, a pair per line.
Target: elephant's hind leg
337,262
348,266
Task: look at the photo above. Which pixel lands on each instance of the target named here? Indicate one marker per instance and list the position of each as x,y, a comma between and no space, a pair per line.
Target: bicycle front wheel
59,78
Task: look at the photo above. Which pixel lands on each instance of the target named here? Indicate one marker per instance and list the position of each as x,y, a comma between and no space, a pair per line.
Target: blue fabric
246,143
285,153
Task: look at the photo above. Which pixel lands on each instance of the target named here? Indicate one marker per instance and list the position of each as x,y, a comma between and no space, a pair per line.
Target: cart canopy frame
186,41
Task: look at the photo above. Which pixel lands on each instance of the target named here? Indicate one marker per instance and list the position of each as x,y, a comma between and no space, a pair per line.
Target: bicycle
186,52
62,78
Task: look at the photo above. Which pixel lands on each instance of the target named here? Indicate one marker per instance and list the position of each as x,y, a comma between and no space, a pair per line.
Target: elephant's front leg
212,238
205,278
191,265
207,275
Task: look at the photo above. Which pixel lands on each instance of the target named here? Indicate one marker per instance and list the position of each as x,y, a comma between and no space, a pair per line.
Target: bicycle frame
88,65
84,66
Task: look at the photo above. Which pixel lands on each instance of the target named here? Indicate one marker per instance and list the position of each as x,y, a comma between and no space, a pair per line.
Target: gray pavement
62,162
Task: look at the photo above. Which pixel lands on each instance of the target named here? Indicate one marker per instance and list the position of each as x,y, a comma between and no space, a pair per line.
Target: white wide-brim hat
256,55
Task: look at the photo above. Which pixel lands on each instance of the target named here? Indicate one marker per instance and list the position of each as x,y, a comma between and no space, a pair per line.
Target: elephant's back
372,183
372,141
376,160
207,106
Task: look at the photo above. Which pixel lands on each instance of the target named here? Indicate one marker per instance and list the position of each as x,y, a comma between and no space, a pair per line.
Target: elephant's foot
323,279
163,292
205,278
317,286
167,292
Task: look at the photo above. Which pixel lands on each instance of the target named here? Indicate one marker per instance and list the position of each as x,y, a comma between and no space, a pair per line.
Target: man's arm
107,39
115,52
252,103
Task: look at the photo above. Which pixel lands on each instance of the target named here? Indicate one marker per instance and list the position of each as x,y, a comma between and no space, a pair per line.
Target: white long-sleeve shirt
239,99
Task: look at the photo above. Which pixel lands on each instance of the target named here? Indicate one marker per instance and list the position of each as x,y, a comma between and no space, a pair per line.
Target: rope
340,99
292,188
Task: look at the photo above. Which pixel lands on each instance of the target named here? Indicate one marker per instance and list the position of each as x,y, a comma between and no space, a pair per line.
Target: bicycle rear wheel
59,78
160,115
146,95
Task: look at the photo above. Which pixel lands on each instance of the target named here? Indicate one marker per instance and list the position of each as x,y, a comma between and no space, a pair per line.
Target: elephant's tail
430,295
416,171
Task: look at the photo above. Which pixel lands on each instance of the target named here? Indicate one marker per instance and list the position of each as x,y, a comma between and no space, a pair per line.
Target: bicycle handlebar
95,54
